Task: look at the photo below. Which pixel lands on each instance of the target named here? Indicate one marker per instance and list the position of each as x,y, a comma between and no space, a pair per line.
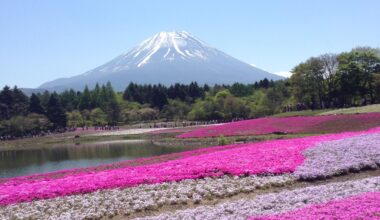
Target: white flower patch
275,203
108,203
340,156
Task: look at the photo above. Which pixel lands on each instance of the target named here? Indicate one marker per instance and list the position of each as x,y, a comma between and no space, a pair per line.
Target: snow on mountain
167,58
286,74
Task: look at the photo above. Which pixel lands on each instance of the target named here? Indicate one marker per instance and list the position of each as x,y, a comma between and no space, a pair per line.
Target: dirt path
215,201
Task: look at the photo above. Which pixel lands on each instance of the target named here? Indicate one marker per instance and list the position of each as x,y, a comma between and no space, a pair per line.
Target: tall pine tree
55,112
85,101
158,97
6,100
35,105
20,102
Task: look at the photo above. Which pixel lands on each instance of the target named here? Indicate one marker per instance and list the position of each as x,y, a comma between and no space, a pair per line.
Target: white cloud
254,65
286,74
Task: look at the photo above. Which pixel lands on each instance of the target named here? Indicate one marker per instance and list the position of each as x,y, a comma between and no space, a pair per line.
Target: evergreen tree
240,90
35,105
85,100
127,93
55,112
264,83
103,96
134,93
44,98
178,91
206,88
95,96
195,91
69,100
109,103
159,98
113,111
6,100
256,85
20,102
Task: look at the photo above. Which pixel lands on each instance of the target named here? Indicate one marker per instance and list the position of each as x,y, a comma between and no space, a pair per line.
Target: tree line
338,80
327,81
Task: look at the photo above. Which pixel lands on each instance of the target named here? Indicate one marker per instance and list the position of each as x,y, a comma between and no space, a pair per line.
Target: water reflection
47,159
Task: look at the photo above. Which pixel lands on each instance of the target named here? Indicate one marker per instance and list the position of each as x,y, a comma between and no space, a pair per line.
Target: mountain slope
167,58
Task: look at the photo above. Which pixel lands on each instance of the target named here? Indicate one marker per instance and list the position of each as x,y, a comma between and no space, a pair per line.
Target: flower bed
282,202
365,206
270,157
299,124
341,156
107,203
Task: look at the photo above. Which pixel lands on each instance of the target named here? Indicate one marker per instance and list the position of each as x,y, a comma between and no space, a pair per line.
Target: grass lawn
300,113
354,110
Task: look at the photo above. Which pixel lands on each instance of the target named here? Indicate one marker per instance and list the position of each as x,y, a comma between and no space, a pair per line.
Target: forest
327,81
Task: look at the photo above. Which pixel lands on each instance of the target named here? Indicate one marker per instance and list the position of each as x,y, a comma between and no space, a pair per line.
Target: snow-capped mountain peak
162,47
167,58
168,46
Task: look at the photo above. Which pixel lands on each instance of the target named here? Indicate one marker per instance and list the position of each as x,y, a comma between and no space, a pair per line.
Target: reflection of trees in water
21,158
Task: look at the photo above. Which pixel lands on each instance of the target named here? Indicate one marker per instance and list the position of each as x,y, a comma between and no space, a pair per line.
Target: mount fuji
167,58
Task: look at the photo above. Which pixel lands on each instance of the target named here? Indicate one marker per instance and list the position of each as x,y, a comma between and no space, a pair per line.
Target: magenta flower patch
299,124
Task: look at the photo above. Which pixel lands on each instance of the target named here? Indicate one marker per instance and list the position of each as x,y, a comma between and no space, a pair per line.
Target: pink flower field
299,124
128,163
270,157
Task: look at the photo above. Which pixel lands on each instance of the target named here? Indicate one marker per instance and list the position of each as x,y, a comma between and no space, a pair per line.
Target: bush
222,140
19,126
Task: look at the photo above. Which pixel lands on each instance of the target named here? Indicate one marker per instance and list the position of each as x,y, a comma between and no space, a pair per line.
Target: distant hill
167,58
29,91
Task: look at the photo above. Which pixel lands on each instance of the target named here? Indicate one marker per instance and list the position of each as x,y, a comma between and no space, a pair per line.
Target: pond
52,158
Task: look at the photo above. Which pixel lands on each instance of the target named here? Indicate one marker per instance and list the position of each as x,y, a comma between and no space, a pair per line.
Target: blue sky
42,40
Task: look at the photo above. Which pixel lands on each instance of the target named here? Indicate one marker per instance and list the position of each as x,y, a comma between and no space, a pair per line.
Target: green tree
330,64
158,98
147,114
12,102
69,100
221,106
55,112
195,91
85,100
98,117
259,104
75,119
355,76
308,83
44,98
133,93
240,90
110,104
176,110
35,105
20,125
20,102
95,96
6,100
